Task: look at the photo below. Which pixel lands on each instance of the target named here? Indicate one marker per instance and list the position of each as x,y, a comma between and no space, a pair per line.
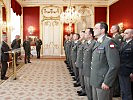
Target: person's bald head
128,34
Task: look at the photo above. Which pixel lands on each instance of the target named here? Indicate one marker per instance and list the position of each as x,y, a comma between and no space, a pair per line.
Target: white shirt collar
76,41
83,41
100,38
128,40
89,41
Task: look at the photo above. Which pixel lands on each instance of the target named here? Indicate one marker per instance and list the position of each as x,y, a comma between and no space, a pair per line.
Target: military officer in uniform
38,44
74,49
88,49
68,50
126,65
105,64
4,58
118,40
65,48
79,63
27,49
116,35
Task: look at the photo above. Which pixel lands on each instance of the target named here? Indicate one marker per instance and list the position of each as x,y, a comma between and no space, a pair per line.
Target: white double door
51,38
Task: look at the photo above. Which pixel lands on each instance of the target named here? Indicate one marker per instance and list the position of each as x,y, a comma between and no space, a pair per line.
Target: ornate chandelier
70,15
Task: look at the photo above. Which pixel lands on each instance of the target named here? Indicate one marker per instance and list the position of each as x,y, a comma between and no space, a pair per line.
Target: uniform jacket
38,44
126,58
118,40
74,49
16,44
4,48
88,49
26,45
79,60
105,63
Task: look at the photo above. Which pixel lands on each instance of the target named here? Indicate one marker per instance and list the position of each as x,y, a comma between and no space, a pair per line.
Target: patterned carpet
41,80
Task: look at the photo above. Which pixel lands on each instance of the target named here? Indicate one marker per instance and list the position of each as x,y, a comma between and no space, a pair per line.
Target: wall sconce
121,25
31,29
69,28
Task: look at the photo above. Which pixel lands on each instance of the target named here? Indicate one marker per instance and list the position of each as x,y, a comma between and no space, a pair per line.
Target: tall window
15,25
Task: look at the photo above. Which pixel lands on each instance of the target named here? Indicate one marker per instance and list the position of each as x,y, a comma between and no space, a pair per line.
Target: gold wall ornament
85,11
51,45
51,12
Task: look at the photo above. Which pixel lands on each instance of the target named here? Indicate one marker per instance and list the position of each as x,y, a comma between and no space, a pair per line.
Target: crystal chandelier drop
70,16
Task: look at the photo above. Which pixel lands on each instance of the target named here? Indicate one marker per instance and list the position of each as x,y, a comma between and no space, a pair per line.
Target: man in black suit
4,58
27,49
16,44
126,65
38,44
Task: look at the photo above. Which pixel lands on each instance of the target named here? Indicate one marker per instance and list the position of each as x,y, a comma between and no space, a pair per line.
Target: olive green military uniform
67,45
74,57
104,67
88,49
116,88
69,49
79,64
118,40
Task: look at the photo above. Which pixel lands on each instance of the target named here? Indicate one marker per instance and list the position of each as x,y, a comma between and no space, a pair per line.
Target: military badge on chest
100,49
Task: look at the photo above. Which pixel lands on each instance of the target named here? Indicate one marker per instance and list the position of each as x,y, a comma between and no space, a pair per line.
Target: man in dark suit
105,64
4,58
16,44
126,65
27,49
38,44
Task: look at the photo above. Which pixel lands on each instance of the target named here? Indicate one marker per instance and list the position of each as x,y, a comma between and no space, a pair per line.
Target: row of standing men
100,66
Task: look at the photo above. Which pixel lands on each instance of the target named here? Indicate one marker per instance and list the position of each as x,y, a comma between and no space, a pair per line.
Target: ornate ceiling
65,2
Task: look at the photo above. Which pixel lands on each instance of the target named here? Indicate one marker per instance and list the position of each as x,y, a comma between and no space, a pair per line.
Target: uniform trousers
100,94
88,87
76,71
125,85
81,78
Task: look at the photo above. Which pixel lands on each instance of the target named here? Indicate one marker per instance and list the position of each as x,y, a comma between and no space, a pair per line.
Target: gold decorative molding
112,2
51,12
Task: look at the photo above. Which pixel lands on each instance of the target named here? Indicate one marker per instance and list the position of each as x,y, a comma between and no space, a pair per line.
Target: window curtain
16,7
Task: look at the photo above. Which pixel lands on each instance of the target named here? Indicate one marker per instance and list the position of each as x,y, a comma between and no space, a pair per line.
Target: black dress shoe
82,94
116,96
74,78
79,91
4,78
29,62
76,84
